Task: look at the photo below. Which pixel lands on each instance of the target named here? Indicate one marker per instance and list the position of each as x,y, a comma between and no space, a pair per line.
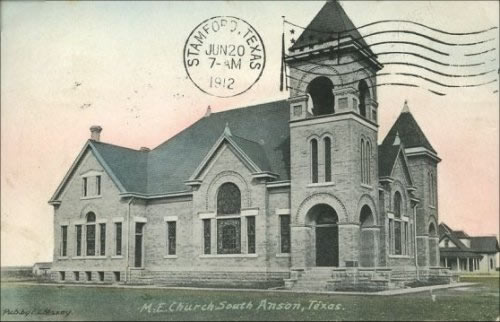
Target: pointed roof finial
397,140
406,109
208,112
227,131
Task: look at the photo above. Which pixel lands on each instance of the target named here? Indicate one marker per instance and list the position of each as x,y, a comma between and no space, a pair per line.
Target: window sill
93,257
170,256
320,184
432,207
400,256
117,257
283,255
367,186
90,197
229,256
63,257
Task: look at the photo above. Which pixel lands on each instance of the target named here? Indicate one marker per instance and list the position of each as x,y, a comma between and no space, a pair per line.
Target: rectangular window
77,276
391,241
285,234
397,238
101,276
64,240
89,276
206,236
251,234
171,237
328,159
102,232
138,244
85,191
98,185
78,240
118,239
314,160
90,240
62,276
229,236
117,276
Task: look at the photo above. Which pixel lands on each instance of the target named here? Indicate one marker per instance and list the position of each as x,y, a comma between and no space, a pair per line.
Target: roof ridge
247,107
116,146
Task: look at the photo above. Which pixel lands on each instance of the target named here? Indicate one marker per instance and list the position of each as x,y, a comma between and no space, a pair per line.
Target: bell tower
333,131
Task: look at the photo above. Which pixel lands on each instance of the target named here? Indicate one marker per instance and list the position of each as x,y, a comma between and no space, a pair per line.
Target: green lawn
479,302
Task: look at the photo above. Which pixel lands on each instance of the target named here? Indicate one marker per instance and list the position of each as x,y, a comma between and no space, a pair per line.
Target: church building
295,192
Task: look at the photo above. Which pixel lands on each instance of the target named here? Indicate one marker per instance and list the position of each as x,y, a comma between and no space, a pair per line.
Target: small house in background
464,253
42,269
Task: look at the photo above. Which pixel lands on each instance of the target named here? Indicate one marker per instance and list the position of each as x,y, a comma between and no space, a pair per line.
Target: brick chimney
95,133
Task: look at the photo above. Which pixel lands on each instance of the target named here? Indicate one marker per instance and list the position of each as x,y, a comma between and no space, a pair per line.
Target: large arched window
228,199
398,228
322,96
91,234
328,159
228,229
364,95
432,191
314,161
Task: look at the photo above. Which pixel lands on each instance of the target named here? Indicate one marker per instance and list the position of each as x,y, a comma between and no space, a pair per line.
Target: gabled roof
327,24
409,132
262,131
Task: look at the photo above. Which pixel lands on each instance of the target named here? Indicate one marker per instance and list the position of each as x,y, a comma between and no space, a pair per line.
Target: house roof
327,24
409,132
478,244
485,244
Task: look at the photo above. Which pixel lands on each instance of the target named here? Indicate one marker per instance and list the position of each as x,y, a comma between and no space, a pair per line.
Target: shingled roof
478,244
409,132
485,244
326,25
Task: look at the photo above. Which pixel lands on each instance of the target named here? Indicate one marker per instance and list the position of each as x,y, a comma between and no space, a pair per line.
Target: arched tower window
364,95
314,161
362,157
328,159
322,97
400,228
228,199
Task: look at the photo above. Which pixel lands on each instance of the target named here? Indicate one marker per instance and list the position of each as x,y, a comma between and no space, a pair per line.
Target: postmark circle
224,56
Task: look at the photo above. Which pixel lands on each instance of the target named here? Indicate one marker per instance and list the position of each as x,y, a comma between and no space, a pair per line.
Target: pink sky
128,58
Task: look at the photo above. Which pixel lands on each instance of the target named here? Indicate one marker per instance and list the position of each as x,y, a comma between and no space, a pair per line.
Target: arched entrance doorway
368,241
324,220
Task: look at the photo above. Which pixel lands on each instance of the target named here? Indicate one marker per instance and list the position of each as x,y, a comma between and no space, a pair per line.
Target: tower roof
328,23
409,132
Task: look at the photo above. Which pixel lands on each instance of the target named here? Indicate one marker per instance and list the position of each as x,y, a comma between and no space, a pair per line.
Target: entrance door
327,248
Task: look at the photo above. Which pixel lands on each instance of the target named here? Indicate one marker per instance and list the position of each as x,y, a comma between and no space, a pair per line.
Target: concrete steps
314,279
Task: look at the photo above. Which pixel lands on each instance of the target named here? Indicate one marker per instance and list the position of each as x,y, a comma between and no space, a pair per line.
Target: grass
476,303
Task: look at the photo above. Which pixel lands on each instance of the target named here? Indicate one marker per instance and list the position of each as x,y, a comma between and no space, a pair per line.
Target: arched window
228,199
322,97
91,234
314,161
367,162
362,160
397,205
364,95
400,227
328,159
228,230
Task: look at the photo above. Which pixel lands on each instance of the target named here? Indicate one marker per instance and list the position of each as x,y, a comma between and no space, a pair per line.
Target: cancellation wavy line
401,64
401,21
387,84
407,75
399,53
